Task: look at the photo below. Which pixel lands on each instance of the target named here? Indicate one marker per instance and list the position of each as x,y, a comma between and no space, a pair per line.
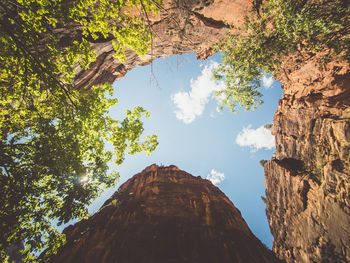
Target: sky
223,147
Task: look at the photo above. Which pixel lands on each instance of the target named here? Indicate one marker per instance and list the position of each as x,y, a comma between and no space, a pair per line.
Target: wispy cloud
267,82
215,177
256,139
191,104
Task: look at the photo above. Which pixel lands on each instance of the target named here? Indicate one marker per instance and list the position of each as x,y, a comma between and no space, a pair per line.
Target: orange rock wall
164,215
307,181
182,26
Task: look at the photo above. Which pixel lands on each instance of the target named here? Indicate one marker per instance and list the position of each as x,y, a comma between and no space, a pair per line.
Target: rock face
181,26
164,215
307,181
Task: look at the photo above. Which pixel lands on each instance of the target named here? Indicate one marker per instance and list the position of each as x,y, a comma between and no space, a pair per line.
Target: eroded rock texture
164,215
181,26
307,181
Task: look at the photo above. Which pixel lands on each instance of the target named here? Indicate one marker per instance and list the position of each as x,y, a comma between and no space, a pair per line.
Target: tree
280,28
53,137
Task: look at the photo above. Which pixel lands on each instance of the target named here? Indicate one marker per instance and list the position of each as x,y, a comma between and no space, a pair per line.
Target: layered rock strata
164,215
181,26
307,181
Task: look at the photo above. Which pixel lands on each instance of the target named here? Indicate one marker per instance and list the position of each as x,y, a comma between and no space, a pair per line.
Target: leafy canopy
279,28
53,136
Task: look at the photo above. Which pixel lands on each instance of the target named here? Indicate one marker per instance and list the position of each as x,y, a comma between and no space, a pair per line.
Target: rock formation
181,26
164,215
307,181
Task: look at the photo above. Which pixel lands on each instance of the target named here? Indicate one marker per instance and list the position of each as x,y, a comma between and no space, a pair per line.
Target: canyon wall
307,180
181,26
164,215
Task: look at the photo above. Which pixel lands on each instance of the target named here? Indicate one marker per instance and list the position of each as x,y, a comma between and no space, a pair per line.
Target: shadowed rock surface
164,215
181,26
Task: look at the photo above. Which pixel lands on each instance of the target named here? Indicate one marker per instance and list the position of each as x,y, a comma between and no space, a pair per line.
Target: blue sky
195,137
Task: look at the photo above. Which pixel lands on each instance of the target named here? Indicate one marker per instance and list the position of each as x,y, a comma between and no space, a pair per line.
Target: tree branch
6,26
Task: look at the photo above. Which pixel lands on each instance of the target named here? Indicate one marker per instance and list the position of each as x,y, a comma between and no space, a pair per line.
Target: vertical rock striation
307,181
164,215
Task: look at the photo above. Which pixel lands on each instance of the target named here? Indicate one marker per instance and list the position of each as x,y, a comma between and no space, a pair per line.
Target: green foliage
262,162
268,126
240,74
280,28
53,136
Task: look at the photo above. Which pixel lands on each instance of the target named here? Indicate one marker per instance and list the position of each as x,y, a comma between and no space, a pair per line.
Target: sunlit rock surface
307,181
164,215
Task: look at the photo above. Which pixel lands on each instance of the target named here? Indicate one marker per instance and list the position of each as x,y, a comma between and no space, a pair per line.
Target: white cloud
256,139
215,177
267,82
192,104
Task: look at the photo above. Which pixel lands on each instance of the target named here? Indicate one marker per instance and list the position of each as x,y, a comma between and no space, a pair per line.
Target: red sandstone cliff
182,26
307,181
164,215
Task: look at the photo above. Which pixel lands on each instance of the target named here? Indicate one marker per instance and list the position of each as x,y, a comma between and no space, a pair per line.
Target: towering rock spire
164,215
